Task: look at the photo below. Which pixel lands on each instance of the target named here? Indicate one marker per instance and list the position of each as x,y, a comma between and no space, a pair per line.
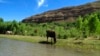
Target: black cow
51,34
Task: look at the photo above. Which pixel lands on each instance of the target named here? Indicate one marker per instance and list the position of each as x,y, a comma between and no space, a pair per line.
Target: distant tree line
83,27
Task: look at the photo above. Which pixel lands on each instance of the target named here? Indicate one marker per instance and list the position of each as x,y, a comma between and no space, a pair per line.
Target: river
10,47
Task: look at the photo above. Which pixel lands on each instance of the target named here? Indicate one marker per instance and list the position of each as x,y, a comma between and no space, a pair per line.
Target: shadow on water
45,42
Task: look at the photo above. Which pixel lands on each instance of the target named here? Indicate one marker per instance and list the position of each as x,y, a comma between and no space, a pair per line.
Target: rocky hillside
66,14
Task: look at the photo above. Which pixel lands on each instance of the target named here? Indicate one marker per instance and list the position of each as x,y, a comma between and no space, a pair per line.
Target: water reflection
18,48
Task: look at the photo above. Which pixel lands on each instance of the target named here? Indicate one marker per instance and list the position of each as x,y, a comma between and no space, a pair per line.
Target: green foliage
82,28
1,19
91,24
79,23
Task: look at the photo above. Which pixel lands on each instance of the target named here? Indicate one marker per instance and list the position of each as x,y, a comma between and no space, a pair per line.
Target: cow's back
50,33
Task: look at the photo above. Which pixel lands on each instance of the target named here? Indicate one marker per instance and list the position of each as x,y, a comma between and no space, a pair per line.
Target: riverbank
72,43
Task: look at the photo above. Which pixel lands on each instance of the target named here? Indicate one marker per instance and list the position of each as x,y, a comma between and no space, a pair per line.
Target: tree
79,23
93,23
1,19
85,29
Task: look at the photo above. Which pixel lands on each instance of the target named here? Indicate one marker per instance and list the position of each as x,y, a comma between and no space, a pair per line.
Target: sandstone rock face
66,14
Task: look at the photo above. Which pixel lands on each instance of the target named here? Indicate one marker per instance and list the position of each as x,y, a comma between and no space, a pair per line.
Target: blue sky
20,9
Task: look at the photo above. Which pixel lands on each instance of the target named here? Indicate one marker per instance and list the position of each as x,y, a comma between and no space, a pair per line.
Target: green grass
33,39
86,44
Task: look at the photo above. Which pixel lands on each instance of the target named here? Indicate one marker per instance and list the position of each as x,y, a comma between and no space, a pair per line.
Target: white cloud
40,2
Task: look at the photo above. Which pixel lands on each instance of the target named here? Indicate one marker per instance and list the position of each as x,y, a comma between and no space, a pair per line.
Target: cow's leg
54,39
47,38
51,39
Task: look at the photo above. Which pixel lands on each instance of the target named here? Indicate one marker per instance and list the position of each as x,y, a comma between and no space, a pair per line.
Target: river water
10,47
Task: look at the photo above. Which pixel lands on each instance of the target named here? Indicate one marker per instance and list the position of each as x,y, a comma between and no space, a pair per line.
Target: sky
20,9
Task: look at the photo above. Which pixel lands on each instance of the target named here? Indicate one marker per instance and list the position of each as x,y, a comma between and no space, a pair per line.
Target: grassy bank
72,43
33,39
